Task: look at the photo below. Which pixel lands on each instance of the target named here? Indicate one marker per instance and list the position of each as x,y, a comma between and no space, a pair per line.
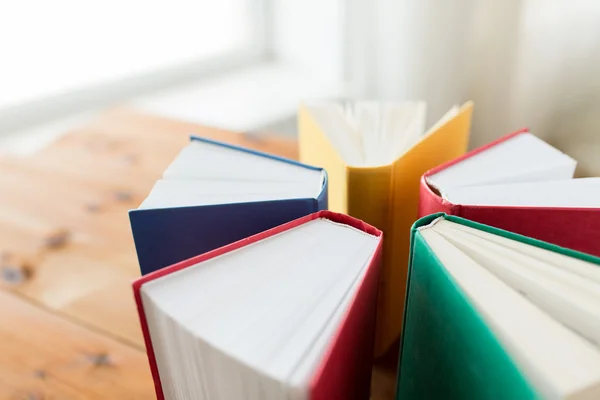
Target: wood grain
67,257
43,356
85,183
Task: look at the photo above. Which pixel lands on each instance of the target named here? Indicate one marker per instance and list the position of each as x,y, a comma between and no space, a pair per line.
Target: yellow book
375,154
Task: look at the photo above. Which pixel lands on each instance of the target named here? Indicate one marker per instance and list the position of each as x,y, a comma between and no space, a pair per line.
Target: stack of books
266,278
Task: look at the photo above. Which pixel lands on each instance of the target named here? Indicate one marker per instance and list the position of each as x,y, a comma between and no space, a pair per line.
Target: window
53,47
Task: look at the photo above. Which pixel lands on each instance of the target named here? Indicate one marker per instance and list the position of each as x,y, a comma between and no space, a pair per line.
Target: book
521,184
374,154
213,194
286,313
491,314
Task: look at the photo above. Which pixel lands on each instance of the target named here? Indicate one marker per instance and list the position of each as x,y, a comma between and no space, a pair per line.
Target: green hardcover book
494,315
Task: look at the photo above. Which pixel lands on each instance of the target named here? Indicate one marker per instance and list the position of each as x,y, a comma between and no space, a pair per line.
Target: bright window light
53,47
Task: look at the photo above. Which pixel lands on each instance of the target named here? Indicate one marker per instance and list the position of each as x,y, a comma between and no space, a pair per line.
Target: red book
228,323
546,204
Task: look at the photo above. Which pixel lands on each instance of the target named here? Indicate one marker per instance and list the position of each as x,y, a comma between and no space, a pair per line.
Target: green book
494,315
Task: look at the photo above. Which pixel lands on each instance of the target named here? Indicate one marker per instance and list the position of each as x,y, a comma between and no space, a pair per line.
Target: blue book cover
165,236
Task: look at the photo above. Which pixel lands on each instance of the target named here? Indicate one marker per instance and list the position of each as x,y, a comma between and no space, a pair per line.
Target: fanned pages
527,313
522,184
274,316
213,194
374,154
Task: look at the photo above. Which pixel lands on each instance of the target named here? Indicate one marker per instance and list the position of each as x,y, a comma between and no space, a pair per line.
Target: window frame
291,37
102,94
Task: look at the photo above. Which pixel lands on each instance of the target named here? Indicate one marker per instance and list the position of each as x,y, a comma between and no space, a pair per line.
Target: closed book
374,154
286,313
495,315
213,194
521,184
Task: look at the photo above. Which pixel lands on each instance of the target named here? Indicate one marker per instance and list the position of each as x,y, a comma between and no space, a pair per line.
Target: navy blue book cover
166,236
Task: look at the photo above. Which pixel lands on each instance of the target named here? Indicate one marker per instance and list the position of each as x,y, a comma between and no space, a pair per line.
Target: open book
522,184
213,194
495,315
285,314
375,154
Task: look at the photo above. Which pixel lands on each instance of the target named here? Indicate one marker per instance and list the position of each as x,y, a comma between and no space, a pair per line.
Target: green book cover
447,350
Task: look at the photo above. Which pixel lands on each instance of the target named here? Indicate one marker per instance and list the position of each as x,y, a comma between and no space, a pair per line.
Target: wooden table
68,325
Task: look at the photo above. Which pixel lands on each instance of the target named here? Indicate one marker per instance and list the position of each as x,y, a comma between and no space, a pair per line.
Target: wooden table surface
68,325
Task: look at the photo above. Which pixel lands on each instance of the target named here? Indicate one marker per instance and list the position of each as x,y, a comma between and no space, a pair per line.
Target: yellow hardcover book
375,154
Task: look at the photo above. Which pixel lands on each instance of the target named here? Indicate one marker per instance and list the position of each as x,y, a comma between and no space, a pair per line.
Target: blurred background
245,65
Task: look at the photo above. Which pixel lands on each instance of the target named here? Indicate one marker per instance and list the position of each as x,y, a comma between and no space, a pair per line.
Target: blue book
214,194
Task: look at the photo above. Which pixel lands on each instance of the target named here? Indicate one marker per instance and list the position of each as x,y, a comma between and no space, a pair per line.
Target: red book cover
574,228
345,368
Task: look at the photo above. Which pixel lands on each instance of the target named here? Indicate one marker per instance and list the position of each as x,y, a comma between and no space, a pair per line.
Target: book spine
430,202
370,199
369,195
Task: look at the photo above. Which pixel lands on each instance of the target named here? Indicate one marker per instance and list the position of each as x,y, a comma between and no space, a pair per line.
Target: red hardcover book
570,226
342,359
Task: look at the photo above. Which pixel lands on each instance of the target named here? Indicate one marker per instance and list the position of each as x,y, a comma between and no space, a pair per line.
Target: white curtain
525,63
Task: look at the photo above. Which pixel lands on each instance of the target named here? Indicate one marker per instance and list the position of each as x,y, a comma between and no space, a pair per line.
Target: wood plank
92,285
43,356
151,132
